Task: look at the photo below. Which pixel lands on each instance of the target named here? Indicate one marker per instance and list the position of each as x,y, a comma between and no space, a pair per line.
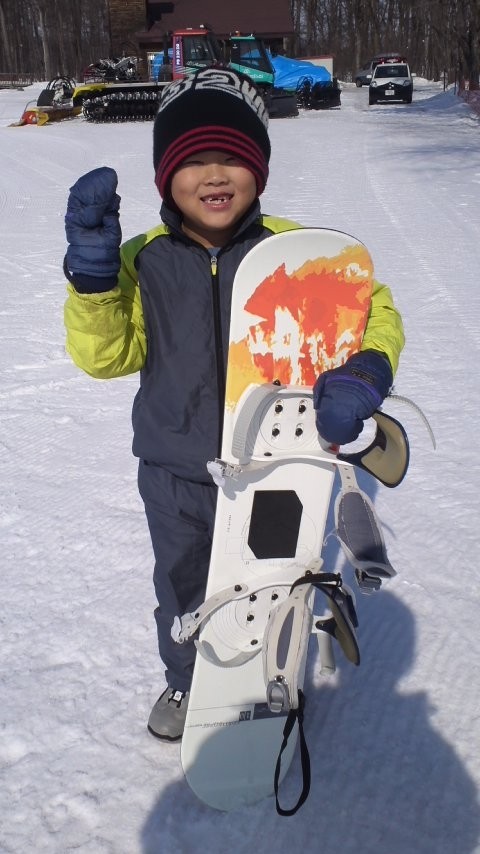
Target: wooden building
139,25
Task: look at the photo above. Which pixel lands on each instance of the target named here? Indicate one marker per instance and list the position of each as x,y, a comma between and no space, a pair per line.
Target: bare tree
61,37
436,35
50,38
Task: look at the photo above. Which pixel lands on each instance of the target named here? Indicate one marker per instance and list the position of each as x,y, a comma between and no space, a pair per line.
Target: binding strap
342,605
294,715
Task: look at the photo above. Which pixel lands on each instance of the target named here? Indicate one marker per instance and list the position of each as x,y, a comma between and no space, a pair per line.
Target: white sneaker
167,718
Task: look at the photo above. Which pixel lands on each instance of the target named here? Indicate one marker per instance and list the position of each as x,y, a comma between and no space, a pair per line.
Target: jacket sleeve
106,331
384,330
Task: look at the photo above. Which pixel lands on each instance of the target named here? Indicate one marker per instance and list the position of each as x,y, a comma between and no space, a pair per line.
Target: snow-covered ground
395,743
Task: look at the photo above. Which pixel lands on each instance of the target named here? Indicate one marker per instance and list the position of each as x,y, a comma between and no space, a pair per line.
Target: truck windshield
251,54
391,71
198,50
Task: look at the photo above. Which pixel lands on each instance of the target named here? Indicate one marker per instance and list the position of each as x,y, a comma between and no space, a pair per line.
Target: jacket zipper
217,321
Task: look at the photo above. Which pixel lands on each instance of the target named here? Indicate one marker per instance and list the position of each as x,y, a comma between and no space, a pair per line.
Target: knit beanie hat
215,108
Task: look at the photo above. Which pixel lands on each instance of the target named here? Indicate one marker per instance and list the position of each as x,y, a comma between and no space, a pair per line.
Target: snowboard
300,303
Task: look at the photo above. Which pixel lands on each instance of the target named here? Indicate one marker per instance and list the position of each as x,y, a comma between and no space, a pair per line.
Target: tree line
47,38
51,38
437,36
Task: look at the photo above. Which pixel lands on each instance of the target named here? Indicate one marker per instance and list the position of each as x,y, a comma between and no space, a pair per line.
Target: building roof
268,19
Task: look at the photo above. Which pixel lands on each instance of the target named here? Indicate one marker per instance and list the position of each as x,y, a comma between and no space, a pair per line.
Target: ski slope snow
395,743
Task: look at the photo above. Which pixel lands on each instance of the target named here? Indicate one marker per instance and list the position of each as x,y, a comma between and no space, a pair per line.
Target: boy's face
212,190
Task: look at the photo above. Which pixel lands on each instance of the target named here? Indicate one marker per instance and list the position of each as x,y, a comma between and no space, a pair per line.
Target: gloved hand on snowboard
92,226
345,397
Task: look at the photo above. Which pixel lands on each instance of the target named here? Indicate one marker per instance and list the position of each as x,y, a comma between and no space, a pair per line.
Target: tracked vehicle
118,95
247,53
113,90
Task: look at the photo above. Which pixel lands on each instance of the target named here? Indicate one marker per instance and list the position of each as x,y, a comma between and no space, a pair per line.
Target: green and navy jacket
168,318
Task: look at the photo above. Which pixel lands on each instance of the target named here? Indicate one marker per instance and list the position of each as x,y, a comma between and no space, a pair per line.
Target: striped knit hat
216,108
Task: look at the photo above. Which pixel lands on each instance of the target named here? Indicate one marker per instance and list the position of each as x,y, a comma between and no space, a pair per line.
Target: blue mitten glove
92,226
346,396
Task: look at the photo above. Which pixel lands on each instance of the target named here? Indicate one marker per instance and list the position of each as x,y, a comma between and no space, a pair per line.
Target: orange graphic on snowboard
303,323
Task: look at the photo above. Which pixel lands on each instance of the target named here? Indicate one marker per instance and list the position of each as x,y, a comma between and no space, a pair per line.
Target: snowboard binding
276,422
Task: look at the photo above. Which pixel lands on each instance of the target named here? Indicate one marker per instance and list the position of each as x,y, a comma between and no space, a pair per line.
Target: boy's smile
217,200
212,190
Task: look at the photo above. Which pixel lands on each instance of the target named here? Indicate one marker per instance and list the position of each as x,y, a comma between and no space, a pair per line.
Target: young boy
160,304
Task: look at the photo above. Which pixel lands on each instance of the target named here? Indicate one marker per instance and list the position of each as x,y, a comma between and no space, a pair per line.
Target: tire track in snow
451,248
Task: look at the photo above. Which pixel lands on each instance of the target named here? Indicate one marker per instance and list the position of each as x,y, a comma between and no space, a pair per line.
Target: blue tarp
288,72
157,63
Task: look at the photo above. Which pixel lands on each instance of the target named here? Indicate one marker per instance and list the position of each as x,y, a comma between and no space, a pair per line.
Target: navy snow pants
180,516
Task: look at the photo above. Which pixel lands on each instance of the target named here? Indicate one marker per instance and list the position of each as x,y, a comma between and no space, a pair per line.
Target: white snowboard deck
231,740
299,305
